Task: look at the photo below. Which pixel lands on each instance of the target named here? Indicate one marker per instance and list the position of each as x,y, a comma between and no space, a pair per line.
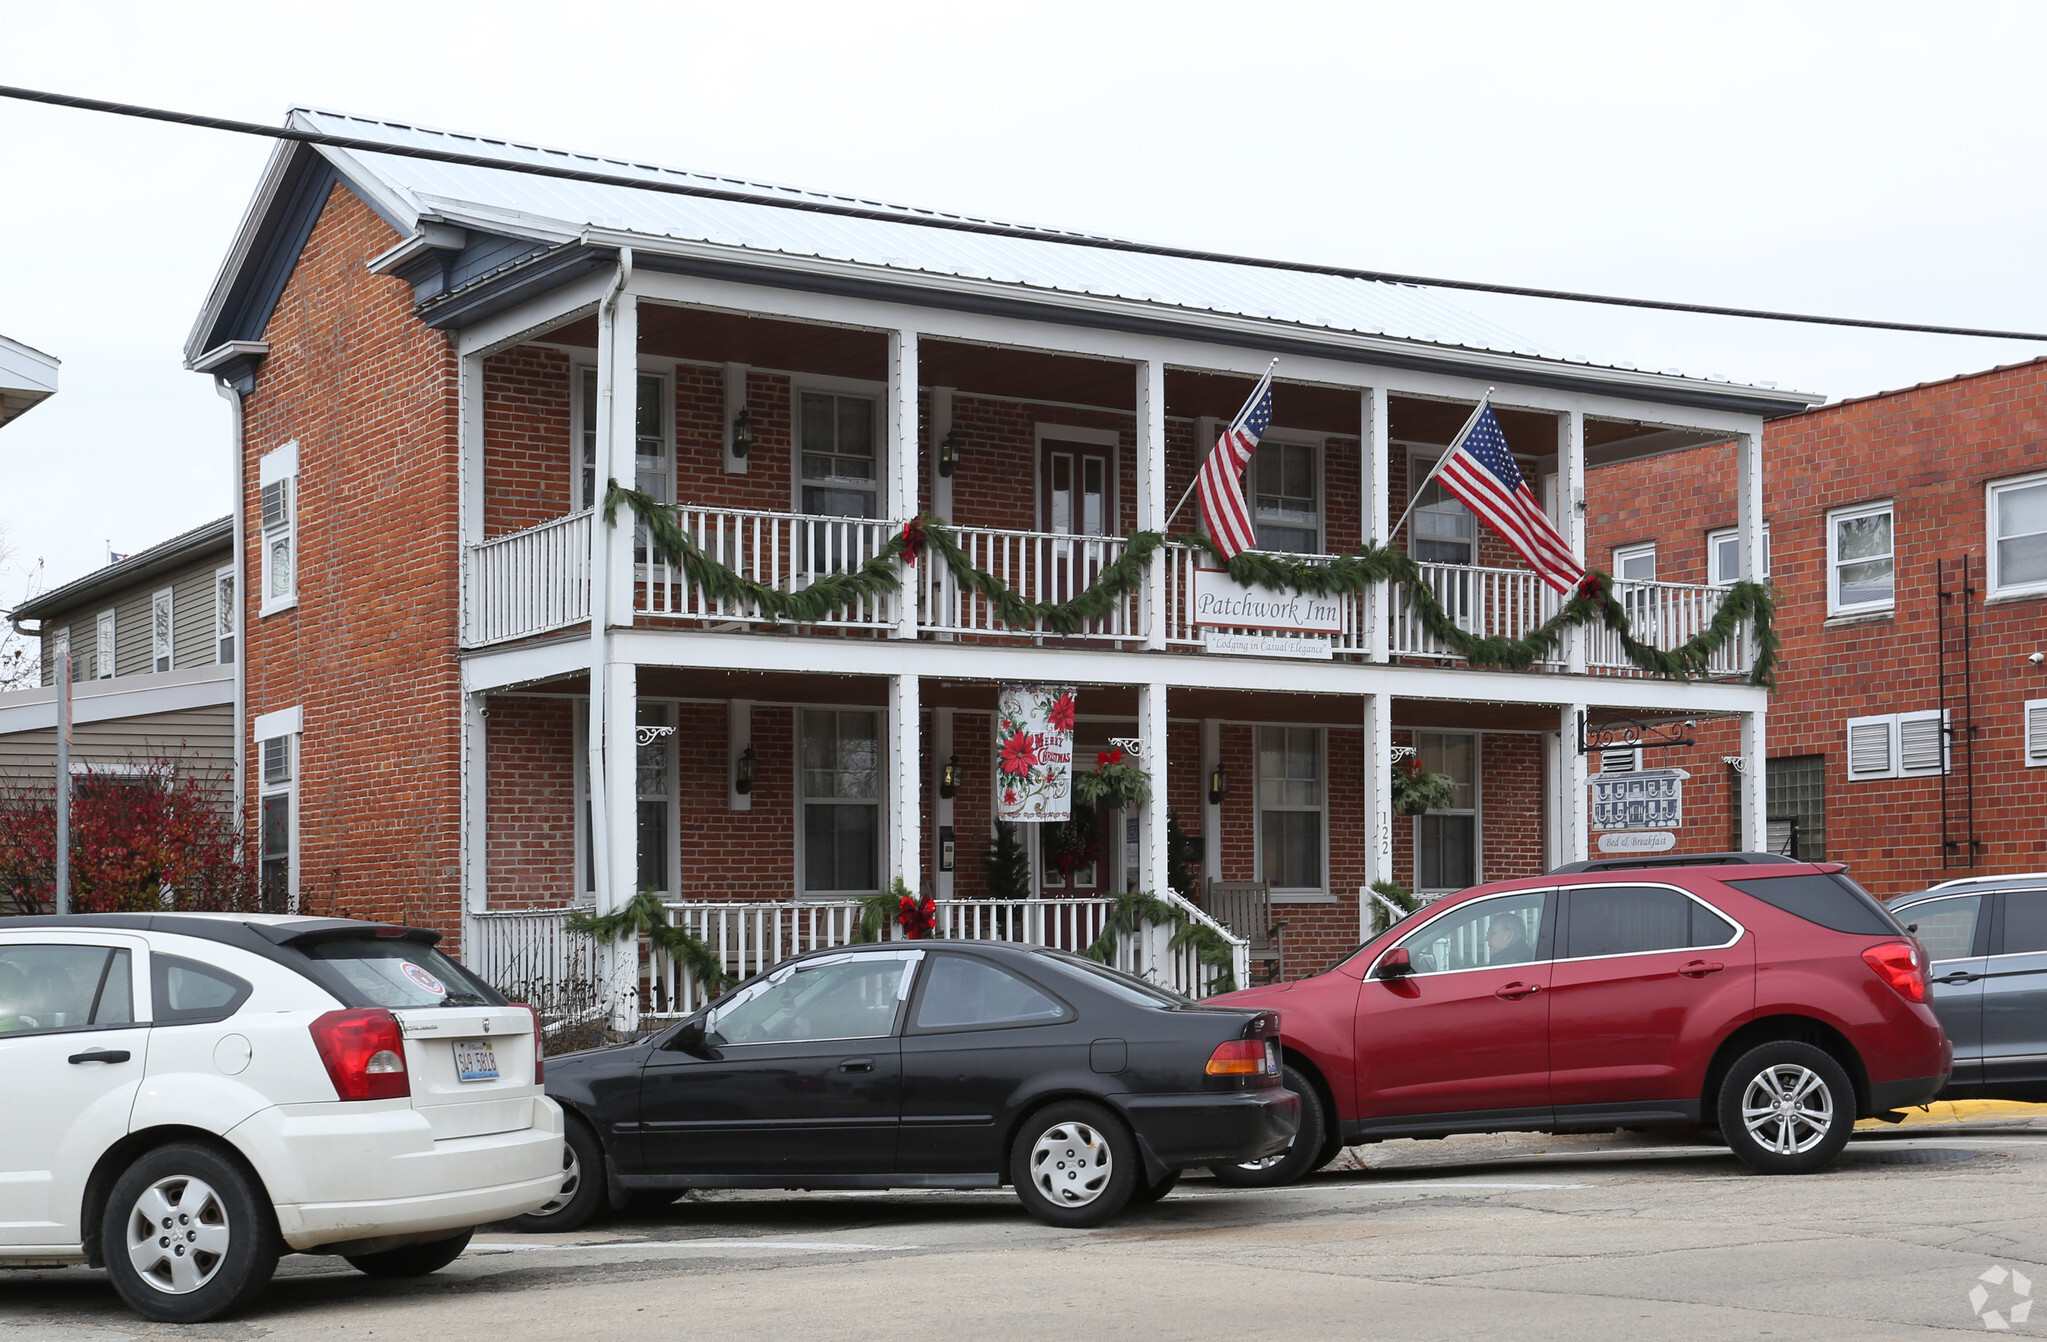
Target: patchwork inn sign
1034,753
1643,799
1236,618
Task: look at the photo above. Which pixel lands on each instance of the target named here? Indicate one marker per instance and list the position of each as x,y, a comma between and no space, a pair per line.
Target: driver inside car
1507,940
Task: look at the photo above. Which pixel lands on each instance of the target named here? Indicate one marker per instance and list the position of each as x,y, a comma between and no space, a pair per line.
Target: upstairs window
1443,530
1635,563
2018,530
278,477
1861,565
1288,498
163,646
841,466
103,647
651,472
1723,555
224,615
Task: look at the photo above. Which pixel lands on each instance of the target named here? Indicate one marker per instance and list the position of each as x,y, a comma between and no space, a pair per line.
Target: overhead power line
963,224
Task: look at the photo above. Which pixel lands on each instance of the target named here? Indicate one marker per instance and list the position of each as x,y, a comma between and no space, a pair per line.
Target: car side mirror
1394,965
688,1037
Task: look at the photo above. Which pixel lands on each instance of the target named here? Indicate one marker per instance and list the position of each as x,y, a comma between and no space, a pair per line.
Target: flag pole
1414,495
1189,491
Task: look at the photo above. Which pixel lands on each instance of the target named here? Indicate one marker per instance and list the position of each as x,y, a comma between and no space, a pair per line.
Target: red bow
1107,757
913,541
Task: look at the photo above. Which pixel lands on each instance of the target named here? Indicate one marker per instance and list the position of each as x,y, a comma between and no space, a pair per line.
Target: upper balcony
789,451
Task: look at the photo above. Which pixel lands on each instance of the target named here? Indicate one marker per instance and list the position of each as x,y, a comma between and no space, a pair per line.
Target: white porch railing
1182,631
1484,602
531,956
527,582
782,550
1040,567
1666,615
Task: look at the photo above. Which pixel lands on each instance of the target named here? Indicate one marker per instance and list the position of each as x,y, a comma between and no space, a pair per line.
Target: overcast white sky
1867,159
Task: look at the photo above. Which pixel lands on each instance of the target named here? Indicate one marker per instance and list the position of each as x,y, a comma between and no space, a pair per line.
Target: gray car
1987,939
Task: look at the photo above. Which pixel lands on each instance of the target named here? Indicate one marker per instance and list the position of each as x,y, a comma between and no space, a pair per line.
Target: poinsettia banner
1034,753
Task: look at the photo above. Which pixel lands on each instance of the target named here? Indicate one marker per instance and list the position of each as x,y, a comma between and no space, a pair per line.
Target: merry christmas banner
1034,753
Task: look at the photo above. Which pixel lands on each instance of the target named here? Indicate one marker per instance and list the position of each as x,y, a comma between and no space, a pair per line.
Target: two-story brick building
1907,542
480,701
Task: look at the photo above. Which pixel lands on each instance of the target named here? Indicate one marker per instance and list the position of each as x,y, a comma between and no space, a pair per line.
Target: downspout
241,711
600,583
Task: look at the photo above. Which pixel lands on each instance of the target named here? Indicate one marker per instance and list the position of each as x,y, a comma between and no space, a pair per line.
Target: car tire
1074,1165
1786,1108
582,1192
411,1260
1144,1194
216,1206
1301,1158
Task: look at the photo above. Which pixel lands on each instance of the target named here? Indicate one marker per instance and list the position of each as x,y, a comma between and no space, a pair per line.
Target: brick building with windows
480,701
1906,538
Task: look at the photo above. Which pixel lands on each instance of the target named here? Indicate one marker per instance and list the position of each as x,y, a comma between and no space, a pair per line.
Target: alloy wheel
1787,1109
1071,1164
178,1234
572,1179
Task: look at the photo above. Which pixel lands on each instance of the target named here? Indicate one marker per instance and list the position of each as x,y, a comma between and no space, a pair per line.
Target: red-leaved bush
161,838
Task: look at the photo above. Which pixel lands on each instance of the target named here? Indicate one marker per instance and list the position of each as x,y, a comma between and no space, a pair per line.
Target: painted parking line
1449,1185
690,1245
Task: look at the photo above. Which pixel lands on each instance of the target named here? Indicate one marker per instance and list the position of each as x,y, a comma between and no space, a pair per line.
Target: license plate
474,1060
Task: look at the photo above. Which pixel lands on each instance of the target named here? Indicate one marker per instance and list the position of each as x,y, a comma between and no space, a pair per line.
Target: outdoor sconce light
742,433
742,773
1218,785
948,453
949,778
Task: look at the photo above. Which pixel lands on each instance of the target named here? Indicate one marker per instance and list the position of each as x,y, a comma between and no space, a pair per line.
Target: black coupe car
931,1064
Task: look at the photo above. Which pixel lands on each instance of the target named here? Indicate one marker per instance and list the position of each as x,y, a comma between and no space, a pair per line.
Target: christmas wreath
1113,782
1415,789
916,916
1071,843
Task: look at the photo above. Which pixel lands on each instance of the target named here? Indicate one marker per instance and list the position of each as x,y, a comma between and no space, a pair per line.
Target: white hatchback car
186,1096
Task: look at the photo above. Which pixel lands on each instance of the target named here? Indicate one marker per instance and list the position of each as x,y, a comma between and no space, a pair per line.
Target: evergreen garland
1129,911
1592,604
645,914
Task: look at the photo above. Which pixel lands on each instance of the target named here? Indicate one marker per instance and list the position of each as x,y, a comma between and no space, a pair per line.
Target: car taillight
539,1046
1897,964
1240,1057
364,1053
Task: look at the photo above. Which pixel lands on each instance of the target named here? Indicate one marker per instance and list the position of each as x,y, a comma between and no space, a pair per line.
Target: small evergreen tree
1009,865
1183,858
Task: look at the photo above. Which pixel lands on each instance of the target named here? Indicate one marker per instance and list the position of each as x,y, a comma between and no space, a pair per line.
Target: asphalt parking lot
1520,1237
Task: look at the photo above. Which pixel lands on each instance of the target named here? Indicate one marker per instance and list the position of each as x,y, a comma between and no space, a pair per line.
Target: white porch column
1151,506
1153,872
1571,504
941,425
469,397
1755,835
902,471
941,750
1377,761
1375,491
625,419
1552,811
475,810
906,827
1748,510
1211,812
1572,817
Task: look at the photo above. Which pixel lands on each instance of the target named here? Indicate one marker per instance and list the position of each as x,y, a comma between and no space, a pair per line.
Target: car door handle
102,1055
1517,990
1698,969
857,1065
1959,976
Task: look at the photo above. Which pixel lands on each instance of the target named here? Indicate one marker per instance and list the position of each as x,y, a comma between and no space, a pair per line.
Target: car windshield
393,973
1129,987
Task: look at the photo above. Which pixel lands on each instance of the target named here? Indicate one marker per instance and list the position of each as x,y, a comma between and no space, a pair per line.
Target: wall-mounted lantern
949,448
742,433
1218,785
742,773
949,778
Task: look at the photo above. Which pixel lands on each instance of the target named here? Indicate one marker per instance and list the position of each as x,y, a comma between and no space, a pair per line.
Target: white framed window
1635,563
103,647
163,648
653,455
1442,530
655,792
1287,496
839,452
1723,555
2036,733
277,474
277,776
1446,842
839,779
2018,536
1293,811
226,616
1861,563
1897,745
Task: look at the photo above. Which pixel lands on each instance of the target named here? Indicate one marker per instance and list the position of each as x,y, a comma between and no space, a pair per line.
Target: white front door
71,1059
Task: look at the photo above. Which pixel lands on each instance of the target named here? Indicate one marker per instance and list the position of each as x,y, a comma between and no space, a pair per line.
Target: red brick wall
1931,450
729,854
369,653
528,469
531,801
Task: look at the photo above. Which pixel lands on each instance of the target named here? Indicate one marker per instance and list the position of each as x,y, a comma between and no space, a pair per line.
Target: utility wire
961,223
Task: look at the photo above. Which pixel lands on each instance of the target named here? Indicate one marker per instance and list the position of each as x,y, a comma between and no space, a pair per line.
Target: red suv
1776,1001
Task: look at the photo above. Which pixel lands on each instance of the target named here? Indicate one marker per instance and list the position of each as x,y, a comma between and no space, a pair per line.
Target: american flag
1220,482
1481,472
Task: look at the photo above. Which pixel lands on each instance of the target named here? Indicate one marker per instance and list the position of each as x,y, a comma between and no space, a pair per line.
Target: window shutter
1870,748
1922,743
160,630
276,503
2036,733
1625,760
